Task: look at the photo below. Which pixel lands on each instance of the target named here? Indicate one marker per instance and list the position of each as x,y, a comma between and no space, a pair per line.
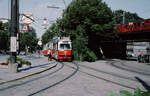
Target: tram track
74,68
104,79
127,69
4,88
28,76
113,74
44,89
34,76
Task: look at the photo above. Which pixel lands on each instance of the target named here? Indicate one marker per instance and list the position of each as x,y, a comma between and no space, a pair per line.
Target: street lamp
48,6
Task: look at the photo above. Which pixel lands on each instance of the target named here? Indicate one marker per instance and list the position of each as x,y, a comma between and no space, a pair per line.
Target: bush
18,59
26,62
91,57
81,51
20,62
137,92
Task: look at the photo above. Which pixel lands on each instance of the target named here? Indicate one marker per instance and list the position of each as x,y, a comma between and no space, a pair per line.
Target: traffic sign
27,18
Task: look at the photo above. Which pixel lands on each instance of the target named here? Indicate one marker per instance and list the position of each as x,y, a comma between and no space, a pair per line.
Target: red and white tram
60,48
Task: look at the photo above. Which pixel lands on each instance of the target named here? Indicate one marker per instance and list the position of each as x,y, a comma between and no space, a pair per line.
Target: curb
29,75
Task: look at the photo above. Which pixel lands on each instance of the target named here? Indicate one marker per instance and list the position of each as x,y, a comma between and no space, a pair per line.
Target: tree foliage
129,17
137,92
28,39
51,32
4,36
90,20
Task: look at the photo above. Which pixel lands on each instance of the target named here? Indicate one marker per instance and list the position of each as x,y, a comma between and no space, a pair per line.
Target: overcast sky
39,9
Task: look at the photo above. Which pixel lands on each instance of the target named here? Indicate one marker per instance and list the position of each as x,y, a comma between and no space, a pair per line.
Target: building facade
4,20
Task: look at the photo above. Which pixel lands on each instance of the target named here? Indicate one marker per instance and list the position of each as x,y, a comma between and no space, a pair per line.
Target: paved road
99,78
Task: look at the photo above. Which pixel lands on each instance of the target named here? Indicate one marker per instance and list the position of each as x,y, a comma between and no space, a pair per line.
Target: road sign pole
13,36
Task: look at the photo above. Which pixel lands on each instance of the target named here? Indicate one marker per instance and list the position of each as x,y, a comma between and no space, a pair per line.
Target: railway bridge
137,31
133,32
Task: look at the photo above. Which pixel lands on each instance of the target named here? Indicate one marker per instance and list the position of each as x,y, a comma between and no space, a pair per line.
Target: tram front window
64,46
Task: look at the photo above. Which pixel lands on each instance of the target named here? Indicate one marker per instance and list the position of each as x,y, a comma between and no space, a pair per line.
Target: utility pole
13,35
18,33
123,18
65,3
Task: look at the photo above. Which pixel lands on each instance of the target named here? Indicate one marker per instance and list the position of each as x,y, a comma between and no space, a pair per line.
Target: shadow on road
40,66
145,85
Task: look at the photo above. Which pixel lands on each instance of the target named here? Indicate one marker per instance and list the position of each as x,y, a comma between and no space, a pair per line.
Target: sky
39,9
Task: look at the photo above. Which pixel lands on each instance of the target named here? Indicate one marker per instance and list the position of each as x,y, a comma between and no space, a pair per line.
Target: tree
129,17
87,22
28,39
90,19
4,36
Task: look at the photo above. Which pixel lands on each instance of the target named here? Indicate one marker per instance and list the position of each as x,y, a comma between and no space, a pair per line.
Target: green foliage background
26,39
4,36
137,92
129,17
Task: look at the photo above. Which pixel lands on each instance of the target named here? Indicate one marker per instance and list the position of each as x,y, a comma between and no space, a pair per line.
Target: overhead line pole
65,3
13,35
123,18
18,33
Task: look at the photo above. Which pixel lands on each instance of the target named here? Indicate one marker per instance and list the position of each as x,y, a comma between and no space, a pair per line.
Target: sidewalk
38,65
